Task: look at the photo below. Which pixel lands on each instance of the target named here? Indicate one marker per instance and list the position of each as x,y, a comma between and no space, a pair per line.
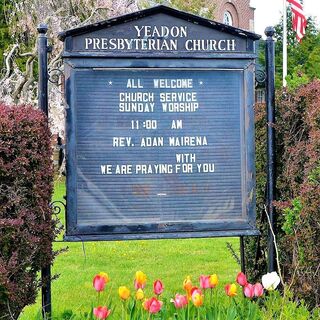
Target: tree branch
8,64
93,12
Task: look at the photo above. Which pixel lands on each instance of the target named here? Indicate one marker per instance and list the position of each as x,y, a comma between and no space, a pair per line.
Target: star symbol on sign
201,83
110,83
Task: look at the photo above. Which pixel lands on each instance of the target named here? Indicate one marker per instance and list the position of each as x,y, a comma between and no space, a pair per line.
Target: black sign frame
243,62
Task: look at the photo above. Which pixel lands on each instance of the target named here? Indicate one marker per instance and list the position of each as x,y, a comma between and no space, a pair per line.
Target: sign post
43,106
271,156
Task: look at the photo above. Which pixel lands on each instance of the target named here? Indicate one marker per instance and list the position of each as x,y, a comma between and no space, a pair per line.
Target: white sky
268,12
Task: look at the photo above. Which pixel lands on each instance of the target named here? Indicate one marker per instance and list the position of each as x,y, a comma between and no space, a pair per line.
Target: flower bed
195,301
204,299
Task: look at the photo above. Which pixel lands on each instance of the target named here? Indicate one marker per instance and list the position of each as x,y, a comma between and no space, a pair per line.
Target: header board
159,148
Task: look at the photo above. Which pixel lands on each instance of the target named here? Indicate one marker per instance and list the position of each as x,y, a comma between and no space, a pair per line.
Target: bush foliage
298,191
26,226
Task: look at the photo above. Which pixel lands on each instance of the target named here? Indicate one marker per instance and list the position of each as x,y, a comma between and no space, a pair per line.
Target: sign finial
42,28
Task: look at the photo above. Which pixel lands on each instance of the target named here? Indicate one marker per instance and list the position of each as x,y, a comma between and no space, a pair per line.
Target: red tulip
152,305
101,312
242,279
99,282
204,282
248,290
158,287
180,301
258,289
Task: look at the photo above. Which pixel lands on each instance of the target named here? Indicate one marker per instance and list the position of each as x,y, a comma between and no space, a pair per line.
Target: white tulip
270,281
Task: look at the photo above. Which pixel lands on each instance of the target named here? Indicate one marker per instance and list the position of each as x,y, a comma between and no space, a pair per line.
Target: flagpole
285,53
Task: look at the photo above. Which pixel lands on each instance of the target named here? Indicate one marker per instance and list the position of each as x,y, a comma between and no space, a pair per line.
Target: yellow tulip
104,276
187,286
231,290
213,280
124,293
140,280
187,283
197,299
139,294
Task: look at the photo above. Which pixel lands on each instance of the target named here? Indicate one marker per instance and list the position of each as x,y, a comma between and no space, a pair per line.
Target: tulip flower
139,294
179,301
99,283
213,281
158,287
197,297
231,290
242,279
204,282
101,312
248,290
187,286
140,280
152,305
270,281
105,276
124,292
258,289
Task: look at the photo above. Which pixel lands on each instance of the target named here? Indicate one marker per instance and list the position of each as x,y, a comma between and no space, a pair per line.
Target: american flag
299,21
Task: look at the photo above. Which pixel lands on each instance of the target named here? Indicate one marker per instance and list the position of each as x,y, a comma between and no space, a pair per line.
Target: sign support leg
43,105
271,156
242,255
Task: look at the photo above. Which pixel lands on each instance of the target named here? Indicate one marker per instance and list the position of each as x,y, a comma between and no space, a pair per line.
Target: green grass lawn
168,260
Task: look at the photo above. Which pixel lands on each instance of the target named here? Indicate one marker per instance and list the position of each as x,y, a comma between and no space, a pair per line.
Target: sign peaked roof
156,10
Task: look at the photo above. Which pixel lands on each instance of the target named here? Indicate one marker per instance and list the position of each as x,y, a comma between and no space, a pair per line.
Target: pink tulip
152,305
204,282
158,287
248,290
258,289
180,301
101,312
99,283
242,279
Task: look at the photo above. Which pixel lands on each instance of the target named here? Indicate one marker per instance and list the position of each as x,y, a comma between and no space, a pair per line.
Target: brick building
237,13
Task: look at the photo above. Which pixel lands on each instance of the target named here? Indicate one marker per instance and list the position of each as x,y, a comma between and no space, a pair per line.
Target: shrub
26,226
298,191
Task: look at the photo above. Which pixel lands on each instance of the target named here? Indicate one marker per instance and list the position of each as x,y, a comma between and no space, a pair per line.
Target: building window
227,18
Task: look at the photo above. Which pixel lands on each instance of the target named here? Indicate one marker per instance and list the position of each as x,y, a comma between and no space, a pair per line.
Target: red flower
248,290
242,279
152,305
180,301
258,289
204,282
158,287
101,312
99,283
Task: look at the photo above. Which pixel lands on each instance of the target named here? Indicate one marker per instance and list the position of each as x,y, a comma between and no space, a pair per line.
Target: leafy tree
4,29
302,57
203,8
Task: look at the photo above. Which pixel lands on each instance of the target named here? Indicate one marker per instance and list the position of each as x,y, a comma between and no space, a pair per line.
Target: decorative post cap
269,31
42,28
